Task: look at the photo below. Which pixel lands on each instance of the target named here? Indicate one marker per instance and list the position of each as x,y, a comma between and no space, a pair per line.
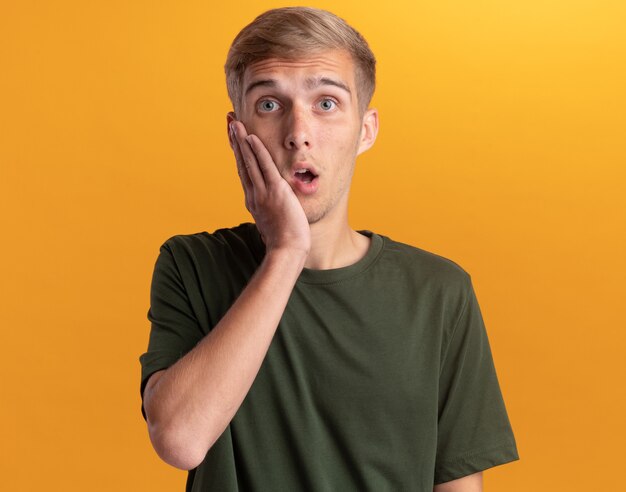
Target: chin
314,216
316,211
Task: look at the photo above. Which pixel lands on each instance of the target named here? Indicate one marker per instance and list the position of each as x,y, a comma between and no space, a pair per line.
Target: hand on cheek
278,214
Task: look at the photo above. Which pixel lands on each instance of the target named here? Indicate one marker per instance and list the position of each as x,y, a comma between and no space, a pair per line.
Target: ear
369,130
230,117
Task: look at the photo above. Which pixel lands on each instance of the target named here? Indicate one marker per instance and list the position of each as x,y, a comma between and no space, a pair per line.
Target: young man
296,353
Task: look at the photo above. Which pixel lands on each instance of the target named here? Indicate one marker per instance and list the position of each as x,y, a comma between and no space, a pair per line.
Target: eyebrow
315,82
260,83
311,83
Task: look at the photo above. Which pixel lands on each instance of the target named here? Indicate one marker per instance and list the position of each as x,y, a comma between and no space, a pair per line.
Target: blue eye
327,104
268,105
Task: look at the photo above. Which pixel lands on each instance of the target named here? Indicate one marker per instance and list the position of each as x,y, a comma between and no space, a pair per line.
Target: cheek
343,140
270,140
272,143
264,131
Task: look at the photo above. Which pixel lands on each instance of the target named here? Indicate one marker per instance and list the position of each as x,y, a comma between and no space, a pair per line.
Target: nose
298,133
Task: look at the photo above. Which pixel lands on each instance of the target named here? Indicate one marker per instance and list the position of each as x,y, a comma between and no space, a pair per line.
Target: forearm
469,483
194,400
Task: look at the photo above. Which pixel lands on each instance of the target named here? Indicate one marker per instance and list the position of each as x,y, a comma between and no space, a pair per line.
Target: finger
249,158
265,160
241,167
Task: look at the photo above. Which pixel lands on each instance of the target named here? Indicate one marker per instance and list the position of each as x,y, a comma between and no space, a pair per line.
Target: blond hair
292,32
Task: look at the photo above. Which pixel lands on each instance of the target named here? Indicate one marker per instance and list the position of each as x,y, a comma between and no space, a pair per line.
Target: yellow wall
502,147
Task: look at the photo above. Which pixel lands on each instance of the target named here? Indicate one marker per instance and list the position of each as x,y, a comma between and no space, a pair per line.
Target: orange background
502,147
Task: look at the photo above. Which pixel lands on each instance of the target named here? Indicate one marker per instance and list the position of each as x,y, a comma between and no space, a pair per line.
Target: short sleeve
175,329
474,432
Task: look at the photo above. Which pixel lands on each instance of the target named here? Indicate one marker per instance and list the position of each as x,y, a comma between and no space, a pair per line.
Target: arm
189,405
470,483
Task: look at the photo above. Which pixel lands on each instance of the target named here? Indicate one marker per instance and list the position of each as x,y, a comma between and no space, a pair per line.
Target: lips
305,178
305,175
304,172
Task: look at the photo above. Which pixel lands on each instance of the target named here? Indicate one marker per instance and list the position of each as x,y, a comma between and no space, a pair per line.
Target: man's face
306,113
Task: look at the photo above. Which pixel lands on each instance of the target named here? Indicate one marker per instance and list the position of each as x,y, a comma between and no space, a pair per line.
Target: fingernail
231,126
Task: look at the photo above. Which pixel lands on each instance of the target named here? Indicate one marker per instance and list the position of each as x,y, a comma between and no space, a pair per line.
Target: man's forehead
335,65
309,83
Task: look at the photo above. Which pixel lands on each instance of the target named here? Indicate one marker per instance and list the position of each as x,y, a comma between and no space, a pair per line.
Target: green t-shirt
379,377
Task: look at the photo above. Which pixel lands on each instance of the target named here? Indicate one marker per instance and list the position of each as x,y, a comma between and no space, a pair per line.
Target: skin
469,483
304,111
295,112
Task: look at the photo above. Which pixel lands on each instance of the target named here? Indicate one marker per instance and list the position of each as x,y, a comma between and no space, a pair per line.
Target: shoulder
424,266
220,252
436,283
232,238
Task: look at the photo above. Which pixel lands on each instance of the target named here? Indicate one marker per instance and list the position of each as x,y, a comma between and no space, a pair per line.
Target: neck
334,244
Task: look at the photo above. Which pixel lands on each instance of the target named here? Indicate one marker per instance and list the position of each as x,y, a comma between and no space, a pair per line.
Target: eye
327,104
268,105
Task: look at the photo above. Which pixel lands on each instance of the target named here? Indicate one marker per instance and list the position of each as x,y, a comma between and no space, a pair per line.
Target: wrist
293,256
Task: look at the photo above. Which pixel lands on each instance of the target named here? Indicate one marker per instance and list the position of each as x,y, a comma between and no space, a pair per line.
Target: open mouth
305,175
